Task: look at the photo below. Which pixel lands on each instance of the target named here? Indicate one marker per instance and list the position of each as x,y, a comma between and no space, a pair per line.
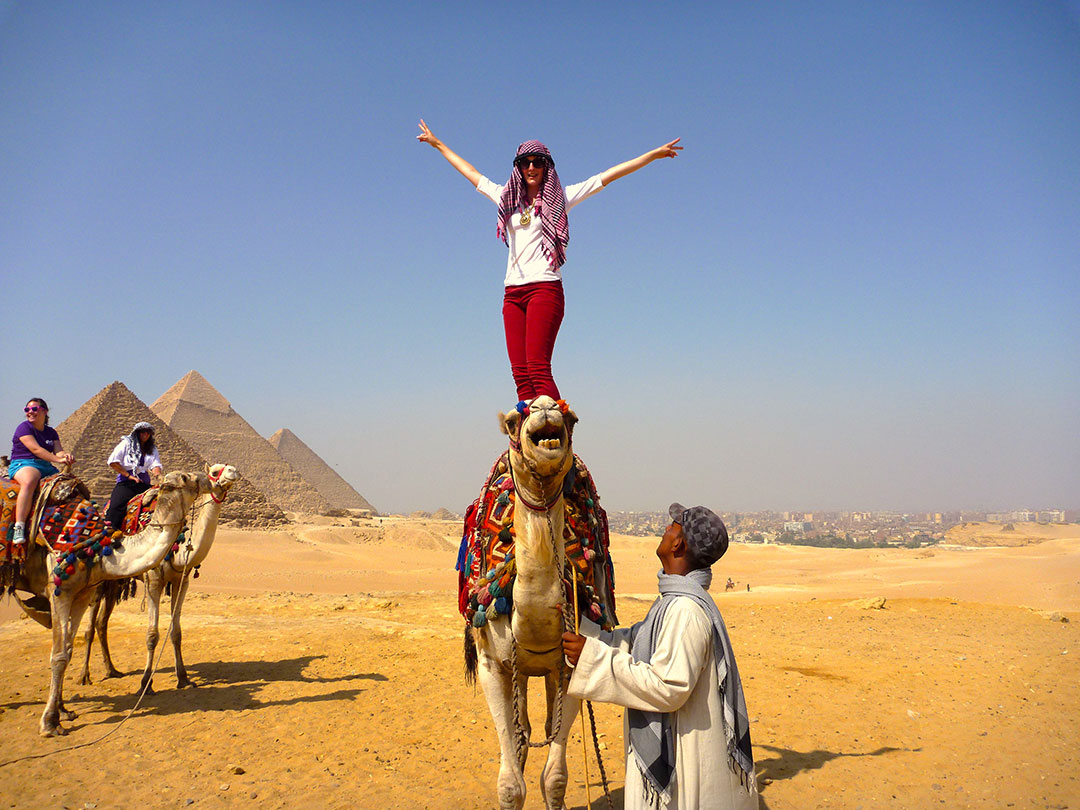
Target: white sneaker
19,537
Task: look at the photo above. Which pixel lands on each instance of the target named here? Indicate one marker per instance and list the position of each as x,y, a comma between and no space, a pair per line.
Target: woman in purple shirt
34,448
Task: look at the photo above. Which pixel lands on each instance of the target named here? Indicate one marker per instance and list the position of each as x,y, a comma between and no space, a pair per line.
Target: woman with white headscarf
135,461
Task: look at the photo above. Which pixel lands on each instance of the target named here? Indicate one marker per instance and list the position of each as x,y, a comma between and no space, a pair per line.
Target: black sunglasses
532,160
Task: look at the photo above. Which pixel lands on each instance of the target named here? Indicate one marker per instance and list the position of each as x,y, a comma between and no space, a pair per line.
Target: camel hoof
54,731
187,683
149,690
67,714
85,681
113,673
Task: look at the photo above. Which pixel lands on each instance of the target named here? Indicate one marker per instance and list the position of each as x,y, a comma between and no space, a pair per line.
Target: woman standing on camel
532,222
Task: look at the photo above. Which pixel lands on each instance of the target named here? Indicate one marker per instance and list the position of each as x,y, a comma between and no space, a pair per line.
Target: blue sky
856,288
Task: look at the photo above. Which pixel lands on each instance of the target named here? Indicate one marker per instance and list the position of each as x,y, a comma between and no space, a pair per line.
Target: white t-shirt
127,455
527,262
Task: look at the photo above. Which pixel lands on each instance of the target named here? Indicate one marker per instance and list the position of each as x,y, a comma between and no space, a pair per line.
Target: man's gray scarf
651,736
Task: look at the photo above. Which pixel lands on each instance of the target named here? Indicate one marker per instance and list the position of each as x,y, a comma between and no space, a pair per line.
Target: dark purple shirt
46,437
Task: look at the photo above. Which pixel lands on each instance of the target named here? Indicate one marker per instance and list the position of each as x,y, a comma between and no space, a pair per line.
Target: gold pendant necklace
526,216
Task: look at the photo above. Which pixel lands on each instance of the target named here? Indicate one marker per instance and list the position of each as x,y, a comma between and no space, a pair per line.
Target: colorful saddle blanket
63,526
485,563
52,489
139,511
11,556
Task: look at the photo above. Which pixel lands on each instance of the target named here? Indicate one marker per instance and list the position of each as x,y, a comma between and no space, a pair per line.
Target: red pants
532,314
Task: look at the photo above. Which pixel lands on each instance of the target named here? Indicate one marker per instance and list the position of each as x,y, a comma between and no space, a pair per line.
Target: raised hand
668,150
426,135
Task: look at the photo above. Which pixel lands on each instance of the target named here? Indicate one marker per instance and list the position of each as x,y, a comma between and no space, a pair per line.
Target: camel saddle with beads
485,562
53,491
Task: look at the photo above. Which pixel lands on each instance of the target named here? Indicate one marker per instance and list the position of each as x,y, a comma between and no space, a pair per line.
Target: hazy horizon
856,289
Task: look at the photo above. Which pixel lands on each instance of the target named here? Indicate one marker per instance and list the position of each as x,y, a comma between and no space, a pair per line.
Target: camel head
188,482
221,477
540,438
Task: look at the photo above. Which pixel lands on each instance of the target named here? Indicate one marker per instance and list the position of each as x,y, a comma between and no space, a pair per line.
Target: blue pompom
502,605
107,551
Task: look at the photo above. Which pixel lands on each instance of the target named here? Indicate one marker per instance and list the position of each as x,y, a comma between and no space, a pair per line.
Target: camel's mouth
548,437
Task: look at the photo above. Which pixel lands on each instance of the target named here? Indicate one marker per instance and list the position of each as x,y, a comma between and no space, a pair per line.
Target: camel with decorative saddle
535,546
70,551
170,577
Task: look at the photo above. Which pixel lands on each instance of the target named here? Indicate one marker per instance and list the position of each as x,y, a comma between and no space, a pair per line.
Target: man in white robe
687,745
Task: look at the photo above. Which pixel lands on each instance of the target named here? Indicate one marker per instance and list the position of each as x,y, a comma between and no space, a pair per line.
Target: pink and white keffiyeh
550,204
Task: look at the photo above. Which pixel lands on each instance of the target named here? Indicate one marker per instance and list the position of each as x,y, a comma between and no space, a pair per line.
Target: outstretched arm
458,162
668,150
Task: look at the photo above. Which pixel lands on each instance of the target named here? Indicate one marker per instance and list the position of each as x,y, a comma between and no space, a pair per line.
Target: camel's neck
138,553
537,492
200,536
535,555
538,588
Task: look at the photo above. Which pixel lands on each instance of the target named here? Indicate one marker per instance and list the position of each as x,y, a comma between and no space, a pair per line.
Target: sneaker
18,538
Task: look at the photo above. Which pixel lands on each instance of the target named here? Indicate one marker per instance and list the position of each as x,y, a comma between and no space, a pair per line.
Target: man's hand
572,645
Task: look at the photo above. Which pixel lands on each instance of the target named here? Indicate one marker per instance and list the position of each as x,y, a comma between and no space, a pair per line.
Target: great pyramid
337,491
205,419
94,429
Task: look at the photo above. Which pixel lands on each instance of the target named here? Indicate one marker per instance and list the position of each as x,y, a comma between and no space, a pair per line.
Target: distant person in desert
35,447
532,223
136,462
675,673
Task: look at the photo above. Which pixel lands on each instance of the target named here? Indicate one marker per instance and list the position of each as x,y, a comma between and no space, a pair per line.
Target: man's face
664,550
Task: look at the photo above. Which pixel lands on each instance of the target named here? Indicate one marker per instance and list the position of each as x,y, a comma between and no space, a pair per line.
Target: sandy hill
92,431
337,491
1009,534
194,409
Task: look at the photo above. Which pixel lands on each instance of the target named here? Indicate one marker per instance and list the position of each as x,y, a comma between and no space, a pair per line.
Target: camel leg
155,584
84,677
497,685
523,718
110,599
176,603
553,779
67,611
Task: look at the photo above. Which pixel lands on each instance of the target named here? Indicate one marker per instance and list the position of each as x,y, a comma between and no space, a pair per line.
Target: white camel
172,575
137,554
529,643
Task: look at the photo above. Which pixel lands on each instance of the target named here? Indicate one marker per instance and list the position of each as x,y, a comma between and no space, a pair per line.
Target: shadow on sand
598,800
222,686
788,762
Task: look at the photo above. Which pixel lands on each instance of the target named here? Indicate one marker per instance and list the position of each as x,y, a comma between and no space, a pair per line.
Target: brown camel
528,643
137,554
172,576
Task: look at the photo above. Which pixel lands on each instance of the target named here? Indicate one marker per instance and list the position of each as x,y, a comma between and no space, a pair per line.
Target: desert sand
328,658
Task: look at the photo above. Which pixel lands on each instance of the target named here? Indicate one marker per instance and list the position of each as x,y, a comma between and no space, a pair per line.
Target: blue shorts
44,467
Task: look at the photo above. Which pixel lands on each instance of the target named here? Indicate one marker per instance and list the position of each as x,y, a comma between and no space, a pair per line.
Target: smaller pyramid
92,431
337,491
205,419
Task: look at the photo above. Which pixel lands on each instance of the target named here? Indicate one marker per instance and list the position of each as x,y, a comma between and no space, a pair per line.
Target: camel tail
470,657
